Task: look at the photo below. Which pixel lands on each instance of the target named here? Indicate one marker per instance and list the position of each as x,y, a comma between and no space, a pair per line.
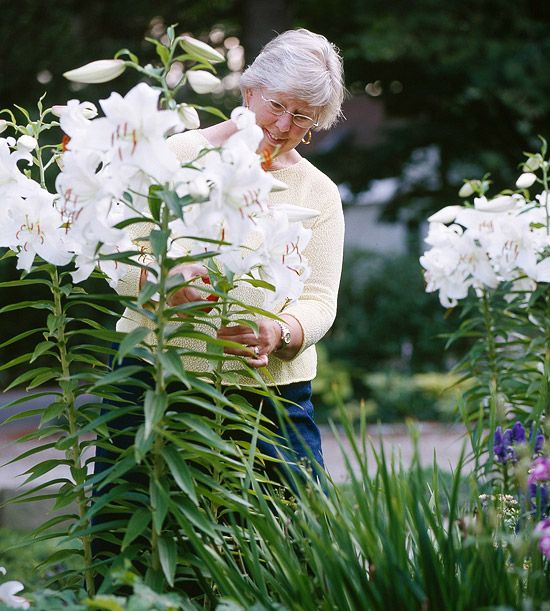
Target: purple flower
539,443
518,433
540,470
542,532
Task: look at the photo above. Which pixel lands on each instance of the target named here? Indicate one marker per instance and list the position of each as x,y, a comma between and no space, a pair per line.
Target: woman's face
279,130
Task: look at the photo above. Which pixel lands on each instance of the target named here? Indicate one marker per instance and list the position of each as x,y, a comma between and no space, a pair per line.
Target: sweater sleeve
315,309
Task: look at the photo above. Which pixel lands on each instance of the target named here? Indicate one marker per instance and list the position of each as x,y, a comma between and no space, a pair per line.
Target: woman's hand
190,293
257,346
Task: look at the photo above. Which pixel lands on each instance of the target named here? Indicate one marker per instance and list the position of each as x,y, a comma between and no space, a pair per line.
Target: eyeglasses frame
292,114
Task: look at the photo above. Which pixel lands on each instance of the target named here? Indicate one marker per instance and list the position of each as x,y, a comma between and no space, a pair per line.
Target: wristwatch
285,335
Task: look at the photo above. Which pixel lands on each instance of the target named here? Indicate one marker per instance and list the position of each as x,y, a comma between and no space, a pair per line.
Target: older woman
295,86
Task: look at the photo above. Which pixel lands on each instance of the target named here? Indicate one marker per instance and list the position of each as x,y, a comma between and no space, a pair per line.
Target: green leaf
133,338
160,500
154,406
136,526
118,375
158,239
52,411
168,557
40,349
180,472
154,202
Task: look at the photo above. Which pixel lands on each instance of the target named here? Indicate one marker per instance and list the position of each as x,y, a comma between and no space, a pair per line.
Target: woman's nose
284,122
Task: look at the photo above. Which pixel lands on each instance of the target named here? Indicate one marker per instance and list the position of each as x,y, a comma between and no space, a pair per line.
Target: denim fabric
297,436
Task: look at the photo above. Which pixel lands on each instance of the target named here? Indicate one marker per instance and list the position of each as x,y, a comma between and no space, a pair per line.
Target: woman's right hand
189,293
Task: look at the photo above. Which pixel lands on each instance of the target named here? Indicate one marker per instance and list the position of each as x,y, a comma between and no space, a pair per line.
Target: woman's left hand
257,346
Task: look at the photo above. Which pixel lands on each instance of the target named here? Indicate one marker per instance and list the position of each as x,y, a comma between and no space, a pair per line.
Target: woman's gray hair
302,65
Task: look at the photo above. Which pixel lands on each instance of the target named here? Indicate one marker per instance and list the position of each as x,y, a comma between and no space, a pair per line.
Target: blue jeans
297,438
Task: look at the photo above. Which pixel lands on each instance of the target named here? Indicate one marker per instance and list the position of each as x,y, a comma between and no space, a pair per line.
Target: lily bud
501,203
466,190
201,49
525,180
26,143
87,109
189,116
100,71
202,81
3,125
532,164
445,215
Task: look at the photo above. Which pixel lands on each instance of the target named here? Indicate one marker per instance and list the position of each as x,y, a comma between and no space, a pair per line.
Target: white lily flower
526,180
445,215
26,143
202,81
32,226
87,109
100,71
201,49
189,116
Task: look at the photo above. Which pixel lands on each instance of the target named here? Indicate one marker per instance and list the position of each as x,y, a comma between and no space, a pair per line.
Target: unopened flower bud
26,143
3,125
466,190
100,71
200,49
189,116
445,215
202,81
501,203
87,109
532,164
525,180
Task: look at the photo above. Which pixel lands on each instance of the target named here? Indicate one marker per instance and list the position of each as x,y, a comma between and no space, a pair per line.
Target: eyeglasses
301,121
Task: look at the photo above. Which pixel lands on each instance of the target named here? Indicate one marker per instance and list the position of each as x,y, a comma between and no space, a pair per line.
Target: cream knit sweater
316,308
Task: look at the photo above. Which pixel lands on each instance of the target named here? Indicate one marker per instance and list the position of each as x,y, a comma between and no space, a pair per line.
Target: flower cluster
505,442
506,507
108,166
504,239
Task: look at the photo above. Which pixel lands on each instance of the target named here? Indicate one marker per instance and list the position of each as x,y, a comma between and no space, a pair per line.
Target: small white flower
100,71
445,215
26,143
525,180
202,81
200,49
189,116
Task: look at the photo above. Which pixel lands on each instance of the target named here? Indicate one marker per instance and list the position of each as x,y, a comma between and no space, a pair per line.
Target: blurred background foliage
439,91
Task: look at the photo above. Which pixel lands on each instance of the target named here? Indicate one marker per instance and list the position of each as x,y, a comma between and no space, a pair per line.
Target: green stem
73,453
491,353
160,386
